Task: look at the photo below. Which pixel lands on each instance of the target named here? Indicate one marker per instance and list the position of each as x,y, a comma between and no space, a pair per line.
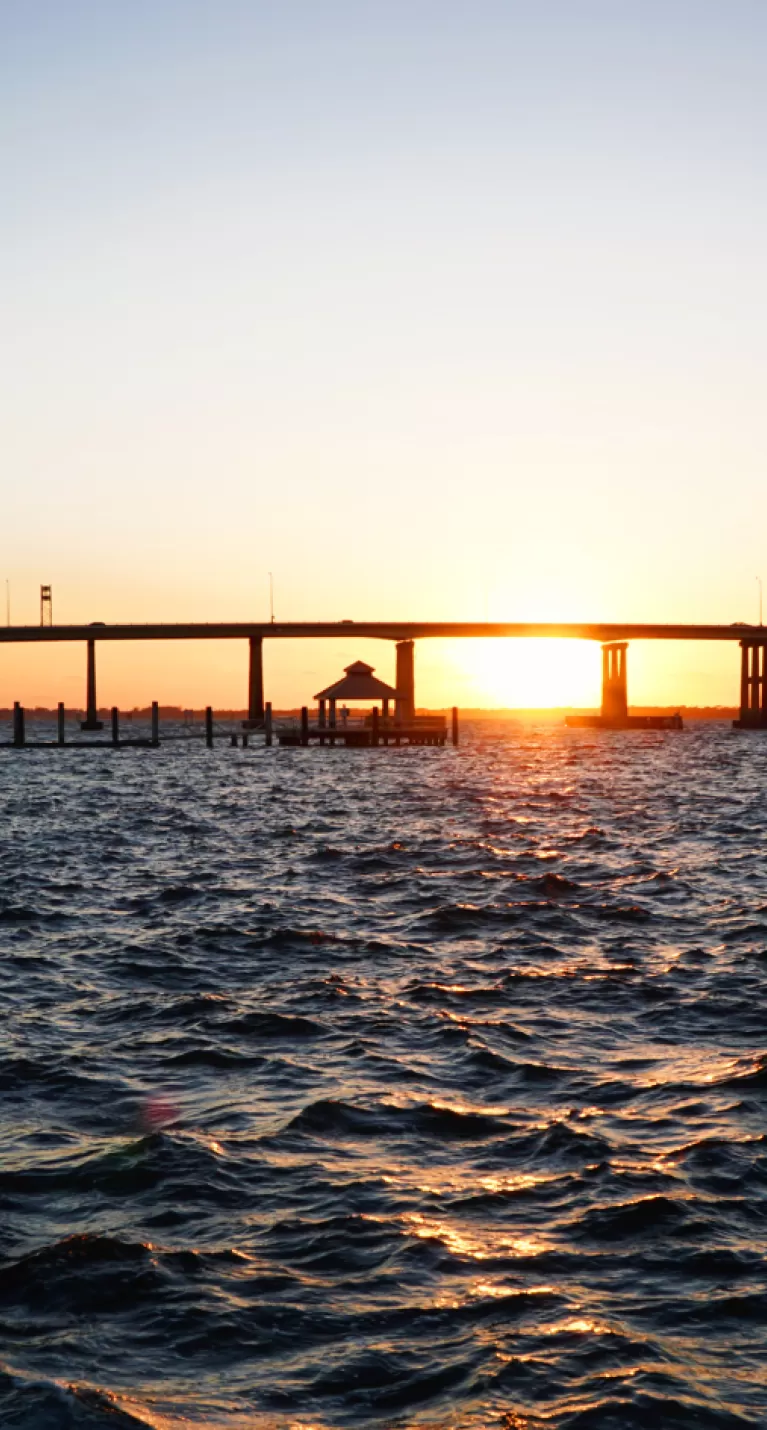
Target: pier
614,714
614,638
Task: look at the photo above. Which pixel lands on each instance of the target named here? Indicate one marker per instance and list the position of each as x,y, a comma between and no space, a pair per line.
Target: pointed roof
359,683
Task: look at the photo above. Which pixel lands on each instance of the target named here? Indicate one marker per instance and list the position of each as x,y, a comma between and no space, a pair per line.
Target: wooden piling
304,725
155,724
60,722
374,730
244,739
115,725
455,724
209,726
268,723
233,741
18,724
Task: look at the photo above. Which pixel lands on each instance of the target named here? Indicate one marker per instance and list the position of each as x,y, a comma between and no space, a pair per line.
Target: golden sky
434,312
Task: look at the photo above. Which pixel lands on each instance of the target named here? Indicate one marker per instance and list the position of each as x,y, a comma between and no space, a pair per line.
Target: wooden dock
354,733
359,735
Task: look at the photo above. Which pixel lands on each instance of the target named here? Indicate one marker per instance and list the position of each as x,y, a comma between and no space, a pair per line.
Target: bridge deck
381,630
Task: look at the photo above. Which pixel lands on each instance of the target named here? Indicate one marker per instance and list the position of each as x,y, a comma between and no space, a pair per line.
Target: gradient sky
433,309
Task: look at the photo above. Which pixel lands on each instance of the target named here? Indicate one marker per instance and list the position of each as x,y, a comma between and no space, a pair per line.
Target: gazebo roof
359,683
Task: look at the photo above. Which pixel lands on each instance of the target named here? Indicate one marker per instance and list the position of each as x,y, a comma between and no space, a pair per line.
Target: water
397,1088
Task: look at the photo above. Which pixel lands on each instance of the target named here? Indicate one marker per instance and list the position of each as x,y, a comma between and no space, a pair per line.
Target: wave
331,1119
274,1025
28,1403
655,1215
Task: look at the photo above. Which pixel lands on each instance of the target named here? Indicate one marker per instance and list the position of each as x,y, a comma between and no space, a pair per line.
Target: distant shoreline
546,713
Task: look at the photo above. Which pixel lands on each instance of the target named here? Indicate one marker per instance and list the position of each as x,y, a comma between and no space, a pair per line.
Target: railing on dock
364,731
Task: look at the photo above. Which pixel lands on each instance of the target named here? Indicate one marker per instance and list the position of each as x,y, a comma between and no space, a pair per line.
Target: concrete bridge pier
615,705
255,718
405,682
753,685
91,721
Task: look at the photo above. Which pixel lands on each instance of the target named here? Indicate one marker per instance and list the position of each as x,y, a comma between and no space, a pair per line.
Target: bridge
614,638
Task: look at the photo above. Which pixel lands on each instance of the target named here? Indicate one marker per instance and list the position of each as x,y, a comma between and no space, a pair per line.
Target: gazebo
358,683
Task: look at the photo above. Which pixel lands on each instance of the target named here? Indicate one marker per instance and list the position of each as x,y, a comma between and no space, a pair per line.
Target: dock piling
455,726
115,725
60,723
268,723
18,724
304,725
155,724
374,731
209,726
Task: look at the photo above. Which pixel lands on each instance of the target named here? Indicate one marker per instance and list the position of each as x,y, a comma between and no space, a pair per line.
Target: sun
527,674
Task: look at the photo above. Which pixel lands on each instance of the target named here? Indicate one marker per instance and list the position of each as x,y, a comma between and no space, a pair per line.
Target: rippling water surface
395,1088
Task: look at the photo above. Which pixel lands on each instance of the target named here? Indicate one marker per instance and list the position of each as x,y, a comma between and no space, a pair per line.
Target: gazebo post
332,714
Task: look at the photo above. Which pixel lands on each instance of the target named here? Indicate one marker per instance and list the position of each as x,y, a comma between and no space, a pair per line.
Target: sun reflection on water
476,1243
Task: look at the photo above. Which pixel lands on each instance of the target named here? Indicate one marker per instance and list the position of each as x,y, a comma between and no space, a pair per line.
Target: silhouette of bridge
613,636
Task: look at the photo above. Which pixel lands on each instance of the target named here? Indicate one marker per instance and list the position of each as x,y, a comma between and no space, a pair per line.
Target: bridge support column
615,707
255,718
753,686
91,721
405,682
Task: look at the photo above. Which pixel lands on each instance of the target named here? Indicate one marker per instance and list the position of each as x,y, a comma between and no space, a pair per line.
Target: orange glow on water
478,1243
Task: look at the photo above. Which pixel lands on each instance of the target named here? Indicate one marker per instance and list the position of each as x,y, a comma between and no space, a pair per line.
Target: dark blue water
394,1088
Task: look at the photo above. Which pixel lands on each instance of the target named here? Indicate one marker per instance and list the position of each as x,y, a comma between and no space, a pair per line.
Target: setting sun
525,674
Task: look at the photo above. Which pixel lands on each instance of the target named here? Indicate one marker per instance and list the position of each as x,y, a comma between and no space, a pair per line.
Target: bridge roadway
382,630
